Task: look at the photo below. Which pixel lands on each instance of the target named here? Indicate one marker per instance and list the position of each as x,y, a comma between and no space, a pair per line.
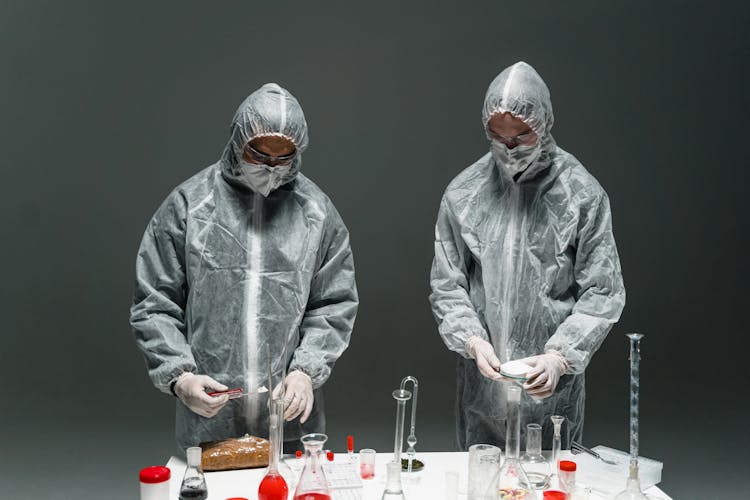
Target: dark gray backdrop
105,108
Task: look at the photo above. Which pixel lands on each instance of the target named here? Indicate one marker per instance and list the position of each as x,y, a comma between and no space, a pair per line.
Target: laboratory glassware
484,462
511,481
274,486
401,396
312,483
193,485
393,489
411,440
632,489
557,422
536,466
367,463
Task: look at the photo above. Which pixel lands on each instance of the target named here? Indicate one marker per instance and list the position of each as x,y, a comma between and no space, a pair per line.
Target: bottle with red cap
567,475
350,448
155,483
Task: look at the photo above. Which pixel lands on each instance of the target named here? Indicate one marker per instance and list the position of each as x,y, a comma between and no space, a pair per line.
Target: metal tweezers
577,448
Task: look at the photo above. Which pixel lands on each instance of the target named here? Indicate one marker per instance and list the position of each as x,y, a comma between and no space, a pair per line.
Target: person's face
270,150
511,131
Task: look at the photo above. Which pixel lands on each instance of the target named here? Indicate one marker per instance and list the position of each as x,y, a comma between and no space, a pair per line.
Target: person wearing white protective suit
246,253
525,268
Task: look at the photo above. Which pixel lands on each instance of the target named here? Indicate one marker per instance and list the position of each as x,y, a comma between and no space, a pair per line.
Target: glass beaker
312,483
484,461
536,466
511,481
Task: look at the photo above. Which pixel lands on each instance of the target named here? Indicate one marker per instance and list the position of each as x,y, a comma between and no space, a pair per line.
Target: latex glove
298,396
545,373
191,389
484,354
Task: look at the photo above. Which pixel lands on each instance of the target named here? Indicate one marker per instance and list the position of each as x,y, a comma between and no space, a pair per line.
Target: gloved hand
484,354
191,389
545,373
298,396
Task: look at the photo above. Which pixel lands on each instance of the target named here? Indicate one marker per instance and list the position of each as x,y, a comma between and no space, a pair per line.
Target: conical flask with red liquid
273,486
312,483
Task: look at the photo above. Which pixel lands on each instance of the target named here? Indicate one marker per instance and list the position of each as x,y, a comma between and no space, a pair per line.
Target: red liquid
312,496
273,487
367,471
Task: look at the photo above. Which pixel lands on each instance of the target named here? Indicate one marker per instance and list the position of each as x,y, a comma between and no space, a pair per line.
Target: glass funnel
312,483
536,466
511,481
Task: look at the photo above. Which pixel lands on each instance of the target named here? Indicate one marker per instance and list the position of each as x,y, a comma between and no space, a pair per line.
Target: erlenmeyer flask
511,481
312,483
194,482
534,464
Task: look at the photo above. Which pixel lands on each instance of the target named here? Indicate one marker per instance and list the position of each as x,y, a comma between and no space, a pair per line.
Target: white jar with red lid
155,483
567,475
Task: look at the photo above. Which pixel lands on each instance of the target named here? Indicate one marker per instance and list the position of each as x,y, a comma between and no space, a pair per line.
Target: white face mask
517,159
262,178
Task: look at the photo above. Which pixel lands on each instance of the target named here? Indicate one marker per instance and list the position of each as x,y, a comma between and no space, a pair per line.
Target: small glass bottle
193,485
312,483
393,489
536,466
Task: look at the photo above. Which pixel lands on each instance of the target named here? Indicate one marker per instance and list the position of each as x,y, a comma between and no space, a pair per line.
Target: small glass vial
155,483
193,485
567,475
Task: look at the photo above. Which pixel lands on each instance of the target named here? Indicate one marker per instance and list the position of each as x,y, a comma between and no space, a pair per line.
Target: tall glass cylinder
401,396
633,485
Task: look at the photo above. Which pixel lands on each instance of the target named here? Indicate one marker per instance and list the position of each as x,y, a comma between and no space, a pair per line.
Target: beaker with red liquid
312,483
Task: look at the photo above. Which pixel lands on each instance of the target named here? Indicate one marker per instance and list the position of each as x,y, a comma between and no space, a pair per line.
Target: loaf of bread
238,453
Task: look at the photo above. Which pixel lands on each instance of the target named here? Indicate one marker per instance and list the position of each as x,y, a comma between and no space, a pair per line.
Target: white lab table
428,484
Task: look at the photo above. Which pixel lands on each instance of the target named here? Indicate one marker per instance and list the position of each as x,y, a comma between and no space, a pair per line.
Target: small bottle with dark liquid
193,485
